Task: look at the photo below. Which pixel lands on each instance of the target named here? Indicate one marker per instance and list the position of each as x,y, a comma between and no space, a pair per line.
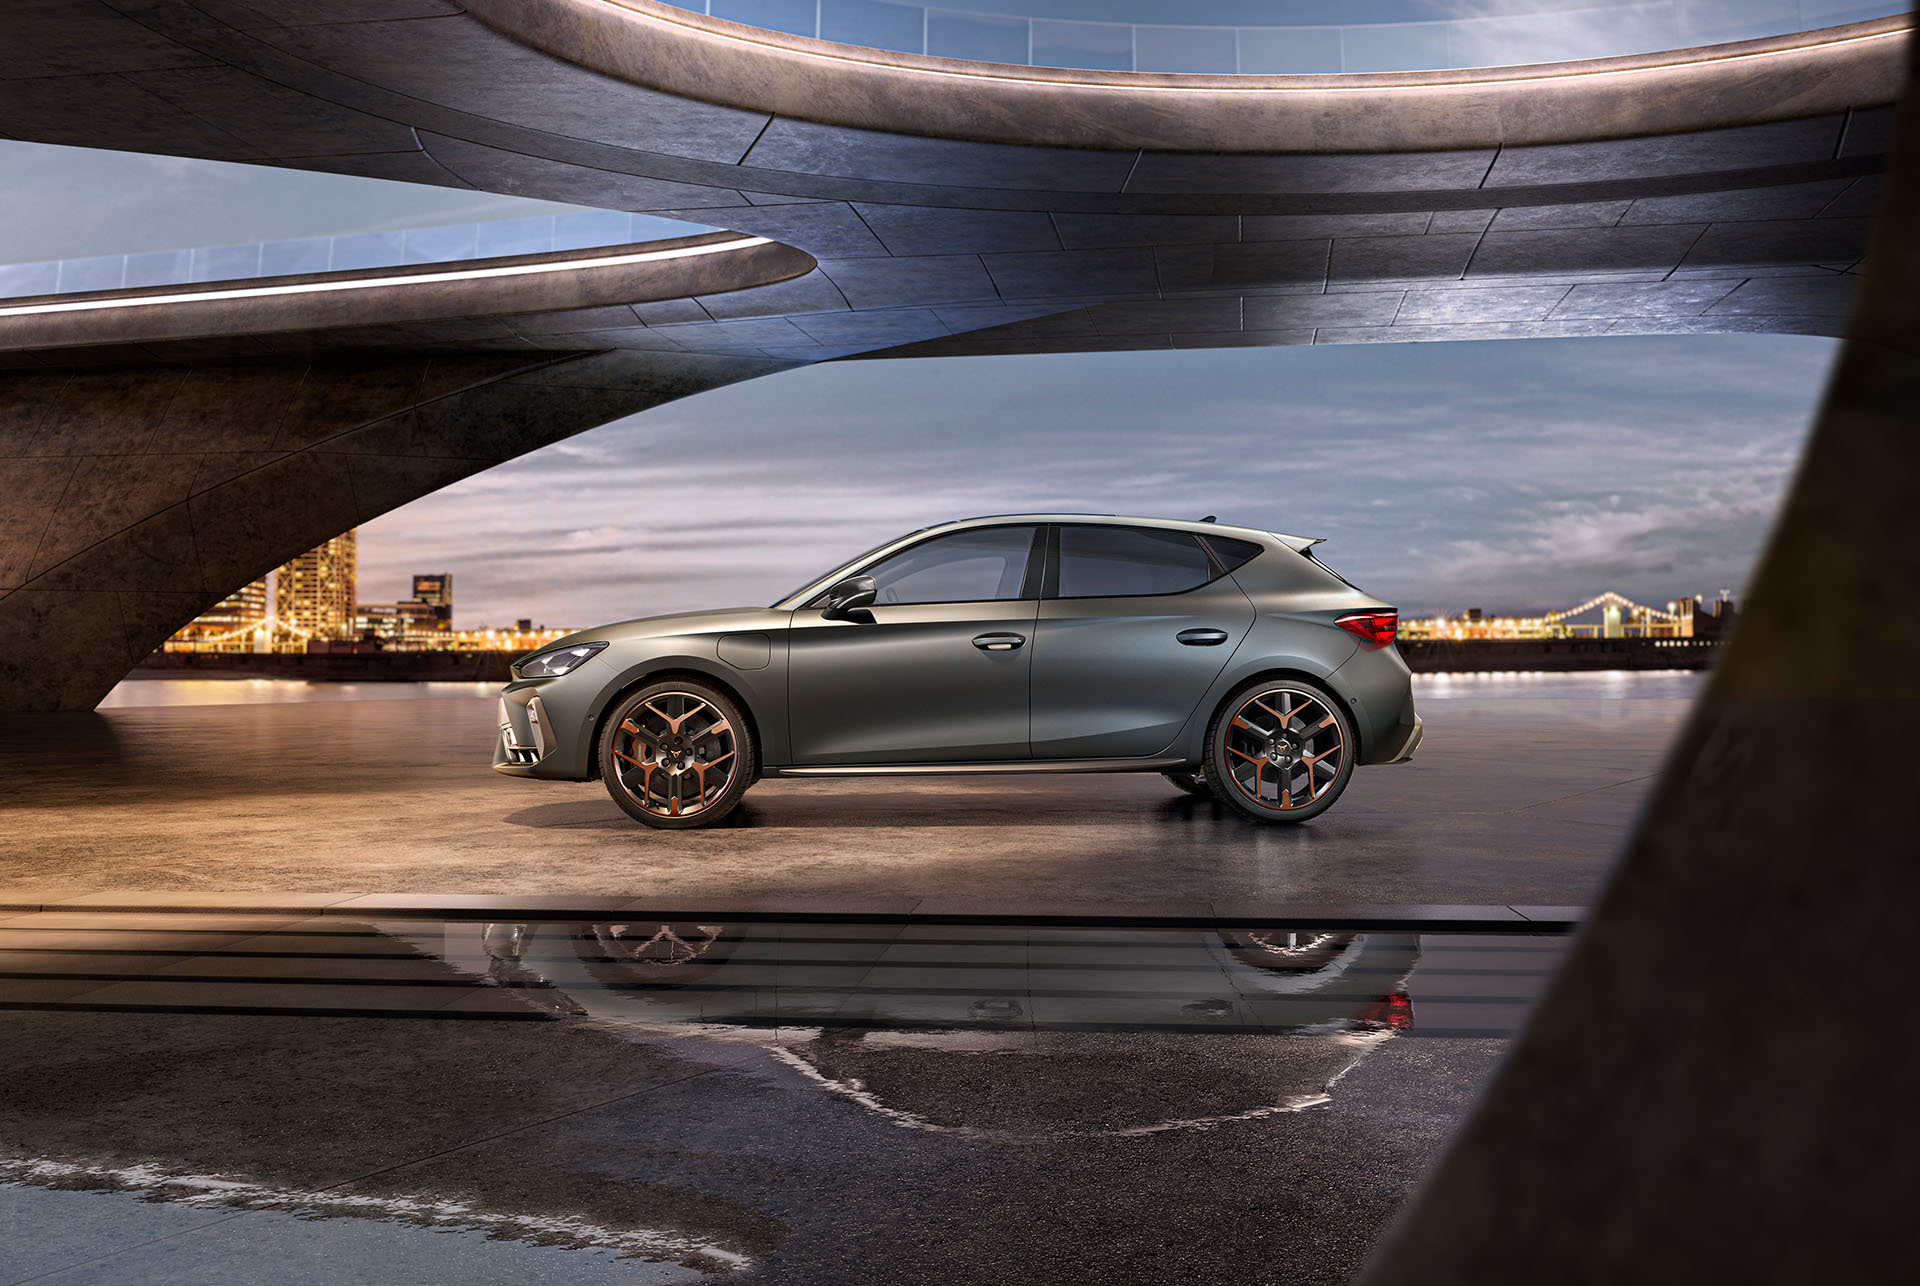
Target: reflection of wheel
677,754
1279,750
1194,783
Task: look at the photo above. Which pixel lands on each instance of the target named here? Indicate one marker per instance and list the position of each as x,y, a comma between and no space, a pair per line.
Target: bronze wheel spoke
673,777
1304,748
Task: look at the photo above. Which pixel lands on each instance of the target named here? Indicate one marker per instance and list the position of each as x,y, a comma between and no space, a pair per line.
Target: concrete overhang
706,264
672,49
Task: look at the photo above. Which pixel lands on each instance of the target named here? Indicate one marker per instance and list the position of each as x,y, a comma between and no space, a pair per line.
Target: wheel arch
673,670
1322,681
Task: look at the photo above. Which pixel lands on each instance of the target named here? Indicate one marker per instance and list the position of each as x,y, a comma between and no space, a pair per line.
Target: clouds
1508,474
73,202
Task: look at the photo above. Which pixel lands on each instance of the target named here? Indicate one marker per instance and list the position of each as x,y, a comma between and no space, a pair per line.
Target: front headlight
559,661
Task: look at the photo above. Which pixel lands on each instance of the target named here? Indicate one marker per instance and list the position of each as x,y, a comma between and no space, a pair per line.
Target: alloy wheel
675,754
1284,749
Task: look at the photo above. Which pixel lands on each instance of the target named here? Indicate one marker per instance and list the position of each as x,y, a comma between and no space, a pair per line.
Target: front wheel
1280,750
677,754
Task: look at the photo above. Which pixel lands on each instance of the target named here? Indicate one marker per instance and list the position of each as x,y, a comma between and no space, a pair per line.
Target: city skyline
1513,475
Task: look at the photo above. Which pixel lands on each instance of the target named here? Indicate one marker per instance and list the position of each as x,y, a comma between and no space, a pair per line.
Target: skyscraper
314,594
433,587
228,626
436,590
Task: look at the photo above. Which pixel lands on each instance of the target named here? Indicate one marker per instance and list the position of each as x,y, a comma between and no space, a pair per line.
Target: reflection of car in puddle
1003,1030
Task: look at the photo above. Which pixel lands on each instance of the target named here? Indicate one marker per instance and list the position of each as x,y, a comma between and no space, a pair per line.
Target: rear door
1134,625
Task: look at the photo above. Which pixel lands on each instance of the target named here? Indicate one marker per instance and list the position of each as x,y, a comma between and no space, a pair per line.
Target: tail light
1375,627
1400,1011
1394,1012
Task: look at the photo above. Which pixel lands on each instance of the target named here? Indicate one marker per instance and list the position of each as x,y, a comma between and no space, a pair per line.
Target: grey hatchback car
1229,660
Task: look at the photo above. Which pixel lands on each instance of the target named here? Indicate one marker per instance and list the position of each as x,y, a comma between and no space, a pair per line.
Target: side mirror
848,600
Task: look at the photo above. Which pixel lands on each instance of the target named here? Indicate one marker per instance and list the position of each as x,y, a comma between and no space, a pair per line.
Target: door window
1127,562
985,564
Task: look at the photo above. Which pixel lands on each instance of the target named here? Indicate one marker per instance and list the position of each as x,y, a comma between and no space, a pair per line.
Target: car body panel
1110,676
910,692
909,686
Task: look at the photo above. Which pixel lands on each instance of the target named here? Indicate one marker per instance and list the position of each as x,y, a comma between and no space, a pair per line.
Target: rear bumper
1408,741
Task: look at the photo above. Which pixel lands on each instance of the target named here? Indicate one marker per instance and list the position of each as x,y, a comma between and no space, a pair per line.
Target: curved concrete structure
225,427
1729,185
1720,189
713,60
1749,1123
370,299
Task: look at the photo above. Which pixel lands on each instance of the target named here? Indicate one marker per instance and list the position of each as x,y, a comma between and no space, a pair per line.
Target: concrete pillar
133,499
1717,1087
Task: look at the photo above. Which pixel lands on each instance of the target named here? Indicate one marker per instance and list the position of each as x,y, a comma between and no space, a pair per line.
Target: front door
1135,627
939,674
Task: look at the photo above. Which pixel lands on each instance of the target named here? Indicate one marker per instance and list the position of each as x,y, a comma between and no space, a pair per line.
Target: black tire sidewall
746,769
1221,783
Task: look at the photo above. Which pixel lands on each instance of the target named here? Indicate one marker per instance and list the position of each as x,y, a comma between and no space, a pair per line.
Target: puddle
606,1079
982,1031
96,1228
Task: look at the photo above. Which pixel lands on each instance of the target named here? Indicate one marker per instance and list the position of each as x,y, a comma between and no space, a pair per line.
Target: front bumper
526,734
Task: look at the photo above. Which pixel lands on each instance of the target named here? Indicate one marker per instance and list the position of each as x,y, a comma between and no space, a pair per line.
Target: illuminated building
436,590
434,587
413,623
522,637
238,623
314,594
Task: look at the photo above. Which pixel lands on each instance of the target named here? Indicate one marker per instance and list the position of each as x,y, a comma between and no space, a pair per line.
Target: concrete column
131,500
1718,1086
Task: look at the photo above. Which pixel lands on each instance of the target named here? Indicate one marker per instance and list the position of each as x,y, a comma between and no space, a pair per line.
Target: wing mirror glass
849,600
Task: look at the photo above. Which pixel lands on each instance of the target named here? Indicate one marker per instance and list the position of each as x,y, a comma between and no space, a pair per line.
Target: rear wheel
677,754
1280,750
1194,783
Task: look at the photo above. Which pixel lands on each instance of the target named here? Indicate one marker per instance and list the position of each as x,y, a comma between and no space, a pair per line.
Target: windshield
846,567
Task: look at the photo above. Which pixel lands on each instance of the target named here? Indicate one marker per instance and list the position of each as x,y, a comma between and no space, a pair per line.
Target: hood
725,620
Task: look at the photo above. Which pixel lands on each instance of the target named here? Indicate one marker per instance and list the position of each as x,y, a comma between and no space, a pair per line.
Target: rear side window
1124,562
1232,553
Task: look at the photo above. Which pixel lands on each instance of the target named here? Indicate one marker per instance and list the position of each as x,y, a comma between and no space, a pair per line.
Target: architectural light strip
1673,58
370,283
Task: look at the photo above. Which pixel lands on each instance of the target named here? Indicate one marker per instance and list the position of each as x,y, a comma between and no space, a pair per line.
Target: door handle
1202,638
998,642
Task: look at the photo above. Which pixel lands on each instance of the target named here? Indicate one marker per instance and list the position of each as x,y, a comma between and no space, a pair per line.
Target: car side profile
1230,660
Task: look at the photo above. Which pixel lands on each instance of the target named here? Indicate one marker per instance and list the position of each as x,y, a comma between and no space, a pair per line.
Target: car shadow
851,811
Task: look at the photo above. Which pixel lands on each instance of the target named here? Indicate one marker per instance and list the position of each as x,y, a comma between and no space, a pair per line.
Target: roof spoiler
1298,544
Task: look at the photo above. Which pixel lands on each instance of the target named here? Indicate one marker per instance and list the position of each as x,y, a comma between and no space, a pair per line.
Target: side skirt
964,770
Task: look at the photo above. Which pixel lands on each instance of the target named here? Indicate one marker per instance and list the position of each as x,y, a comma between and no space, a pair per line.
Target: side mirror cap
850,596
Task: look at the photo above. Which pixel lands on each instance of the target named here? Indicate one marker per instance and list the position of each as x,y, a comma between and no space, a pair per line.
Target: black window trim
1050,583
1029,581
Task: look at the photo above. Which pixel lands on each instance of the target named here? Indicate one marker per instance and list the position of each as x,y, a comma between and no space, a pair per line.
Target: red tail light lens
1375,627
1400,1011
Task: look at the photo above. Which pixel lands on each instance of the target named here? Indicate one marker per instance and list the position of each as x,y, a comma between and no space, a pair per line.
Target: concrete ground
143,1141
1521,792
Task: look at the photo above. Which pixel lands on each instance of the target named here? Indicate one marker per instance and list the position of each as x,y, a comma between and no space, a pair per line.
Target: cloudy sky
1510,475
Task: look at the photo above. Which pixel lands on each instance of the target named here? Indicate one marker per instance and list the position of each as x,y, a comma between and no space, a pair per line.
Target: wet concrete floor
1521,793
252,1098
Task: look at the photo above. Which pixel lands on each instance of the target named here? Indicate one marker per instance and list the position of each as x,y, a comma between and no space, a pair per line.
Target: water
252,691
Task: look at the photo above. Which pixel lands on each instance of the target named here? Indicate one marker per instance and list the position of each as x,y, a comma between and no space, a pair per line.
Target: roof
1128,520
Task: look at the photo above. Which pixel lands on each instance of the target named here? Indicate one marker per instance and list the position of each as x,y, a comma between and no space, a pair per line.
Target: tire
1194,783
1268,745
663,747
